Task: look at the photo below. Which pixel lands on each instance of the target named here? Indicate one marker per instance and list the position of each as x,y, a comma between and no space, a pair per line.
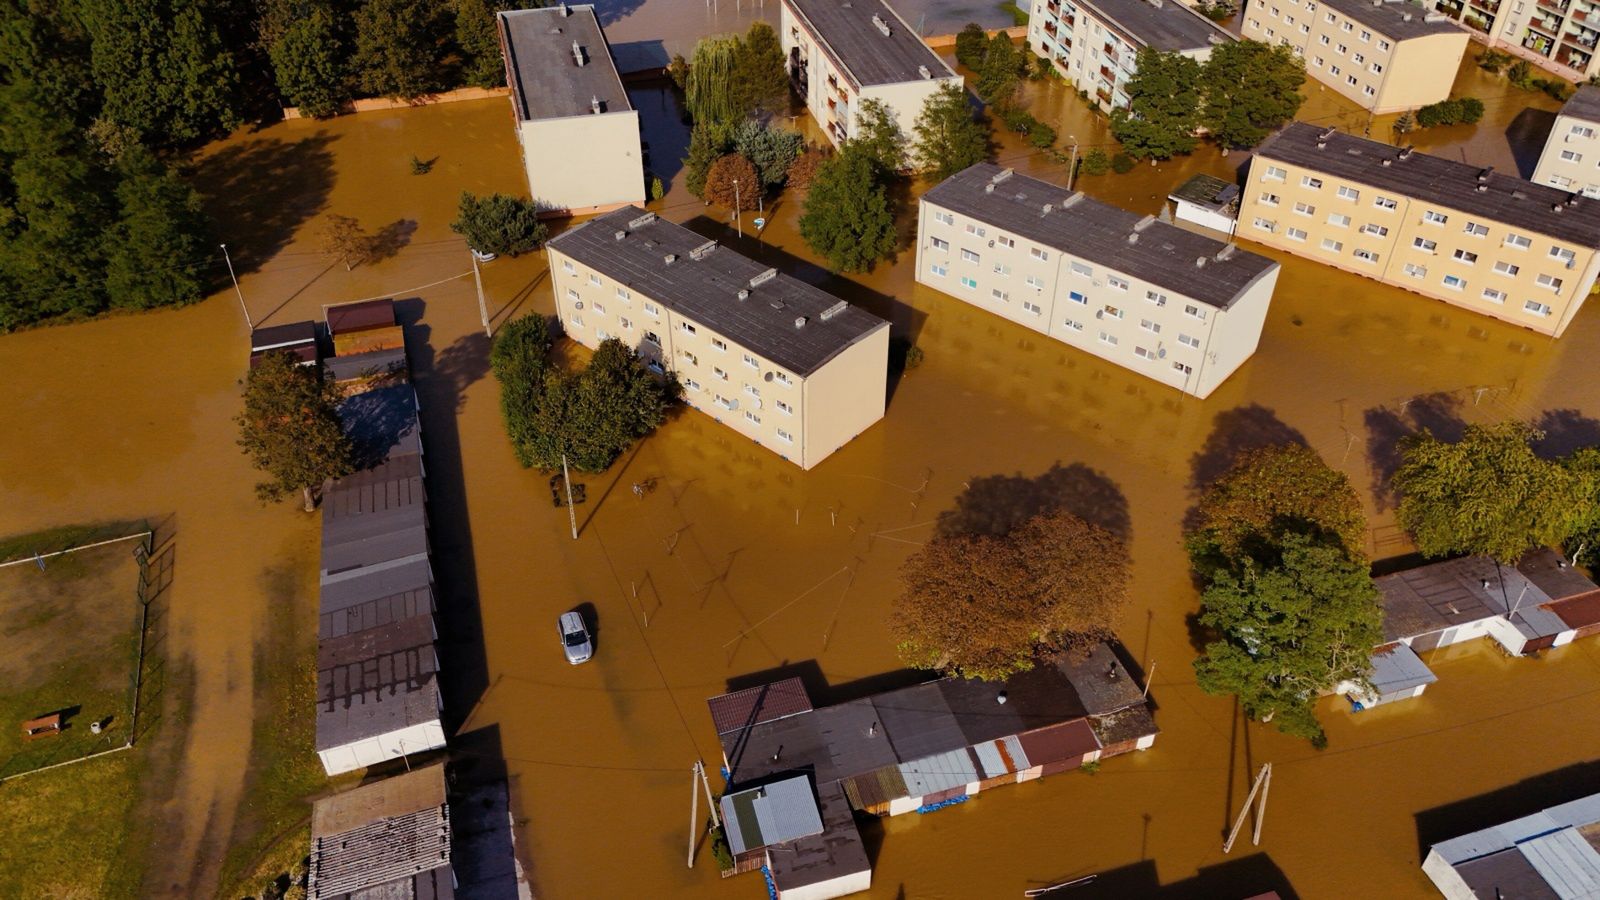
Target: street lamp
737,217
245,309
1072,169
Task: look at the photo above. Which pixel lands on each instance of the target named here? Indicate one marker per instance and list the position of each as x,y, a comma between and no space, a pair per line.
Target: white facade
1571,157
1096,51
851,883
583,164
416,738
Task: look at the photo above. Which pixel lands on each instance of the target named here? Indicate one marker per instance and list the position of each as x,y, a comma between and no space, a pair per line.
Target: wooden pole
572,515
483,307
694,814
1244,810
1148,677
712,804
1261,811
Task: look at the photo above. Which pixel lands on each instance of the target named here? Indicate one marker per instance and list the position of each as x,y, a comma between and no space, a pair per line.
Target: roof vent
1386,162
577,53
621,234
1226,252
1133,238
702,251
763,278
1405,17
799,321
744,294
670,258
1072,200
1001,175
1144,223
1215,40
1406,151
1557,207
923,71
1323,138
564,11
880,24
645,219
1483,174
775,303
1156,3
1483,188
1047,208
1485,586
834,310
594,104
1199,262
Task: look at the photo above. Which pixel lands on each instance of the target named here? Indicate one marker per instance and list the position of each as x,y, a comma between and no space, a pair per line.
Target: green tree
1268,493
733,183
983,605
290,429
1583,543
878,135
772,150
1000,73
971,44
499,224
158,241
398,47
708,142
1095,162
1250,90
479,40
1163,107
1488,493
949,137
308,61
519,359
1290,632
848,218
760,79
163,68
708,92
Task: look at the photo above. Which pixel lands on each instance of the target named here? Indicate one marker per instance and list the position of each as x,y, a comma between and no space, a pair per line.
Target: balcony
838,132
1573,59
1053,9
1490,8
1104,95
1559,7
1537,44
1050,29
1069,22
1110,52
1108,75
1548,26
1583,41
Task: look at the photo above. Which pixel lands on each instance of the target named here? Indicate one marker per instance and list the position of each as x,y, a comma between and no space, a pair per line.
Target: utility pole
1148,676
483,308
1072,169
737,218
1263,778
242,307
694,812
700,767
566,479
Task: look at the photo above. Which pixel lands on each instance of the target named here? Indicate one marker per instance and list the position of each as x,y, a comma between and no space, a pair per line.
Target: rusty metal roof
752,706
344,318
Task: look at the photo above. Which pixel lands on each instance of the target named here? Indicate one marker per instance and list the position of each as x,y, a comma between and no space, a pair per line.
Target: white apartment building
841,52
1571,157
1383,55
778,361
1556,35
1094,43
1179,308
579,134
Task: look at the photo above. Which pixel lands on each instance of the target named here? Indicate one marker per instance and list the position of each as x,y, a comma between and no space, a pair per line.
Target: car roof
572,621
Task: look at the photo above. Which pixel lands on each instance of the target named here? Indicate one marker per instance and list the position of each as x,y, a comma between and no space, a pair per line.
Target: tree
847,216
878,134
308,63
344,239
499,224
1096,162
1290,632
1488,493
1268,493
479,40
398,47
1250,90
982,606
708,91
1000,73
1404,124
1584,541
760,80
163,68
804,169
771,150
157,243
708,142
1163,106
733,183
519,359
971,43
949,138
290,429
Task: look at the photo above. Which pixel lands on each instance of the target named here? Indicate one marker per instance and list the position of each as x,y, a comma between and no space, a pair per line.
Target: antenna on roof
577,53
880,24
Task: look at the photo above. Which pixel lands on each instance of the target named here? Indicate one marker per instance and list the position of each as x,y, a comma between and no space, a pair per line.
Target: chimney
1483,174
594,104
800,321
1226,252
577,53
923,71
669,259
564,11
1199,262
744,294
621,234
1405,152
880,24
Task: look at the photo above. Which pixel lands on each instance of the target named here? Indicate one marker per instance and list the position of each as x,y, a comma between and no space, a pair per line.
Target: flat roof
1453,592
359,365
271,337
360,315
773,813
1162,24
1206,190
414,791
376,681
1432,179
1075,223
385,839
836,852
1554,574
1396,667
1583,104
382,422
376,582
1399,19
377,613
547,79
866,53
794,325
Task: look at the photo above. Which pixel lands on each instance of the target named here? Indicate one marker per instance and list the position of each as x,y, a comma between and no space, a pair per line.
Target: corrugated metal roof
752,706
374,583
939,772
991,760
771,814
375,613
375,682
1396,667
1566,861
876,787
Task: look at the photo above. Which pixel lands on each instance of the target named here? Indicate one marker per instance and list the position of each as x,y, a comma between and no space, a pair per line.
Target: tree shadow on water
1565,430
995,504
388,241
259,192
1387,426
1235,432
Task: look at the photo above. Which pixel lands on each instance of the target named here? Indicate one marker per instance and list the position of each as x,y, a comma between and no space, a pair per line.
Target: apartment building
1383,55
1556,35
841,52
1095,43
1571,157
579,134
788,366
1486,242
1172,305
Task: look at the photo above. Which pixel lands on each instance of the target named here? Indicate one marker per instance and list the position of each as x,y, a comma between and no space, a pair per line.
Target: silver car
575,638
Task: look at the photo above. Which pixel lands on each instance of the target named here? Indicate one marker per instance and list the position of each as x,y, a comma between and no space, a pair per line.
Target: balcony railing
1108,75
1557,6
1050,29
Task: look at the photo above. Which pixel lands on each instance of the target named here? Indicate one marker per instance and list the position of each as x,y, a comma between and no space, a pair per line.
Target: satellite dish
767,376
577,304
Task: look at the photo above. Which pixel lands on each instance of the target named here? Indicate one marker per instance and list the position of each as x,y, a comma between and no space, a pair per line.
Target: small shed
1397,674
298,339
387,839
1209,202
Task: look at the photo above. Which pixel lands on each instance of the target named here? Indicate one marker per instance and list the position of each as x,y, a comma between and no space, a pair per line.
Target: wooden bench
44,726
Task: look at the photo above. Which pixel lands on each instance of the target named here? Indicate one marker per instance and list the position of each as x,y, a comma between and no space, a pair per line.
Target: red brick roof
752,706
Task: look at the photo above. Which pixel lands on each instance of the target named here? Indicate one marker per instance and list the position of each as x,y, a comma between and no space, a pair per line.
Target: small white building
1571,157
579,134
841,52
1551,853
806,838
1207,201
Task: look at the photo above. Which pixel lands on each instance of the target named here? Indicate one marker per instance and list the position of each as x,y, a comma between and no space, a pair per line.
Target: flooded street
740,563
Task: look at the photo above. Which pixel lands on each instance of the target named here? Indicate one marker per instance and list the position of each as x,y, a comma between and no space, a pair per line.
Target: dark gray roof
375,613
1078,224
376,681
382,423
861,50
546,80
1553,574
703,285
1433,179
390,486
1206,190
918,721
837,851
1507,873
388,840
1100,680
1036,698
373,541
1436,596
1584,104
375,583
1164,24
288,335
1399,19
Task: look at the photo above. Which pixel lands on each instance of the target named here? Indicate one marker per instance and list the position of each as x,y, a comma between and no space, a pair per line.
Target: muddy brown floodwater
740,563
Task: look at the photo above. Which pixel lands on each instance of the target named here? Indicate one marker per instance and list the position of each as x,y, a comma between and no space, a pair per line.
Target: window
1549,281
1035,282
1537,308
1583,131
572,294
652,309
566,266
1195,311
1416,271
970,284
1333,70
1275,173
691,384
693,360
1113,311
1002,270
968,256
1264,224
1465,256
1383,44
686,328
625,323
1039,254
1454,282
1188,340
1078,298
1118,283
1332,245
1505,268
1384,203
1435,218
1339,220
1350,80
1183,369
784,407
978,230
720,372
785,436
1152,327
1475,229
1004,241
1571,156
752,390
754,419
1563,254
624,295
1494,296
1157,298
1364,255
939,269
752,362
1033,307
1310,182
1332,18
1376,230
1348,193
781,378
601,334
1316,61
597,307
940,244
1518,241
1376,68
1079,268
1425,245
1322,39
1269,199
594,279
1305,209
650,337
1296,234
1142,353
719,343
944,217
1000,295
1366,36
576,320
1108,339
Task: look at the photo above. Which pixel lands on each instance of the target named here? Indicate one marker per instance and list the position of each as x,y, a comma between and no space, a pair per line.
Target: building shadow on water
995,504
259,192
1527,134
1387,426
1524,798
1236,879
821,692
1565,430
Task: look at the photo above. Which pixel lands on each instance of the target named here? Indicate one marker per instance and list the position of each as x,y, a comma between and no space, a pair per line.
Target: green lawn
1018,14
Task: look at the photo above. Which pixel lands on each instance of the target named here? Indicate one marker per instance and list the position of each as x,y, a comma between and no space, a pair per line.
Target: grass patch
1019,16
52,540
